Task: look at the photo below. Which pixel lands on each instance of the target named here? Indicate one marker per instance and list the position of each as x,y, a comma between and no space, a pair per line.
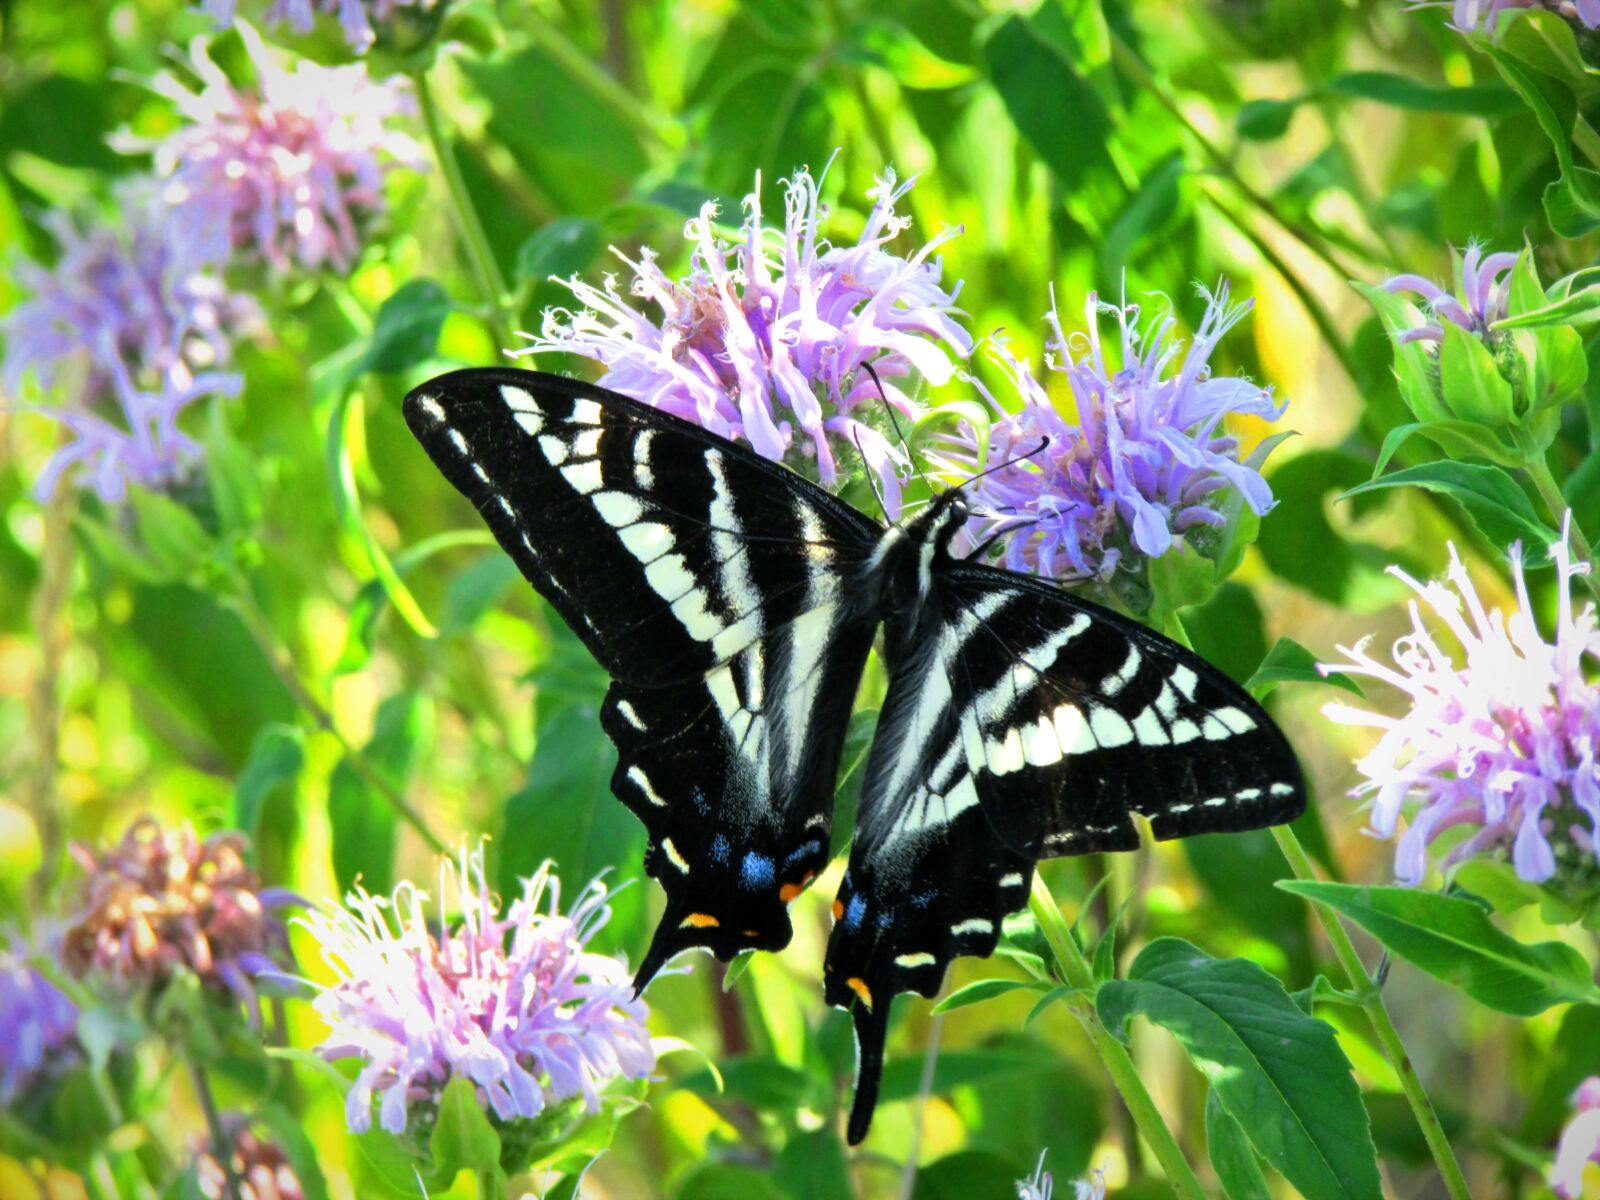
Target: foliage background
1288,145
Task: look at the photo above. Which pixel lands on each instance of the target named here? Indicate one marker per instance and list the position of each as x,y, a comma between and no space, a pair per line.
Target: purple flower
1142,467
1506,743
357,18
289,171
119,291
148,449
1580,1141
1481,16
38,1027
765,339
1482,287
514,1001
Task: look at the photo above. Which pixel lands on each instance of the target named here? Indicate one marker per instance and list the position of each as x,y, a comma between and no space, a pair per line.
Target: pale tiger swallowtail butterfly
733,604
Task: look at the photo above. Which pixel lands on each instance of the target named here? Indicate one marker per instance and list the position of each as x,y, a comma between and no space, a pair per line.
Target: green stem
489,1185
1555,503
260,630
656,126
1079,976
221,1143
1128,59
1394,1050
468,224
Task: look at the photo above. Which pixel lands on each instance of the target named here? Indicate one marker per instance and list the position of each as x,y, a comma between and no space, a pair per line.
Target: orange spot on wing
701,921
838,909
859,986
752,933
790,890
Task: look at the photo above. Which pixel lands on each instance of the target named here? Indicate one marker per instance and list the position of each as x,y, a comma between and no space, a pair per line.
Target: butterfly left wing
1023,723
714,587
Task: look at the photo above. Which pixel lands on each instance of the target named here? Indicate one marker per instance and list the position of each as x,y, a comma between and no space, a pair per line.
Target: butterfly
734,603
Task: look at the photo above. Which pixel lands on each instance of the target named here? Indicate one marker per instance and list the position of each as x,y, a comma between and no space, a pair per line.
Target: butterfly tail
872,1030
668,942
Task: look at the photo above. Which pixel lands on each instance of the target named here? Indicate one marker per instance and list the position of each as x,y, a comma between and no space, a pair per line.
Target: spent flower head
512,1000
162,900
288,170
359,20
38,1029
1141,470
1505,742
765,339
1580,1141
260,1168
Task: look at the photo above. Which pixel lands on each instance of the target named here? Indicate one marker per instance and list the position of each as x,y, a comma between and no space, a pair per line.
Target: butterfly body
734,605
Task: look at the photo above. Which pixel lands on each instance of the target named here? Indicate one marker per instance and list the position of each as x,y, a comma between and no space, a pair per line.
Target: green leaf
892,46
970,1175
902,1076
289,1132
564,247
1472,385
276,757
1231,1156
1413,368
170,535
1276,1071
813,1165
1580,308
406,330
1572,202
1454,940
1497,506
1458,439
361,818
986,989
1050,103
723,1181
1290,662
463,1139
763,1083
1402,91
1264,120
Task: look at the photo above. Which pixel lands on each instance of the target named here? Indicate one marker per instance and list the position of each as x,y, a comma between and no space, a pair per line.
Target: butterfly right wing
711,585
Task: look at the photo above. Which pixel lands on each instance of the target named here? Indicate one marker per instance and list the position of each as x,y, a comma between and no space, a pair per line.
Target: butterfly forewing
711,586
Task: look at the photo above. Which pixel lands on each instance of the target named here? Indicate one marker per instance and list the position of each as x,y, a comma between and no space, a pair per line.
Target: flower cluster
765,339
1483,285
261,1170
1580,1141
512,1001
38,1028
1505,743
1481,16
135,327
358,19
1140,470
160,901
288,171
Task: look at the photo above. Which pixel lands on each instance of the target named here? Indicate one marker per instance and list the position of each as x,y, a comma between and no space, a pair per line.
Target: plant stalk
468,224
1371,996
1079,976
1555,503
221,1143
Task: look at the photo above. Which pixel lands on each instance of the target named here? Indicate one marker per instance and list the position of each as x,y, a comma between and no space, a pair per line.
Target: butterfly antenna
1003,531
1044,443
894,420
855,437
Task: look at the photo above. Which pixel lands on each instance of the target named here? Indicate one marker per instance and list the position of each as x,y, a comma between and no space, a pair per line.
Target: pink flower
290,170
764,340
1580,1141
1506,742
513,1001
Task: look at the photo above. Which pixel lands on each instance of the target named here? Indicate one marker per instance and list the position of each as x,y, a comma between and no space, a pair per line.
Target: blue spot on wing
700,804
757,871
923,899
809,848
884,920
719,849
854,911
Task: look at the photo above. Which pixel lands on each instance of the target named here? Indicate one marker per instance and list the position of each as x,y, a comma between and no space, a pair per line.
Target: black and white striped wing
709,584
1022,723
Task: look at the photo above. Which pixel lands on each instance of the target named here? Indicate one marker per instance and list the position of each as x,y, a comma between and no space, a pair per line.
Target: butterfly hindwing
711,586
1022,723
